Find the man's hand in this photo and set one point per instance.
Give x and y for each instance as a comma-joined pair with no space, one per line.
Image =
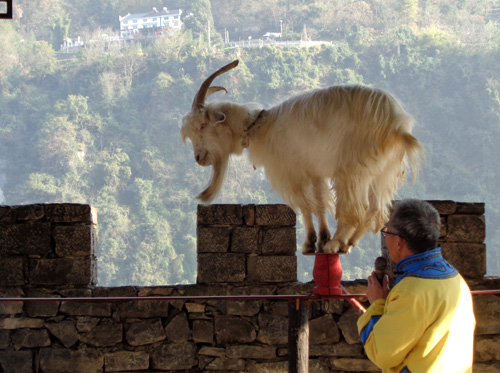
375,290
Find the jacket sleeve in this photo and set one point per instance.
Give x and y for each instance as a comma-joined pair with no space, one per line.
389,330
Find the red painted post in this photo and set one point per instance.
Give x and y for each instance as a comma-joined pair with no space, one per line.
327,273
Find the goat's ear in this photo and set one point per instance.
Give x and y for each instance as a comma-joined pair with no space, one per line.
217,117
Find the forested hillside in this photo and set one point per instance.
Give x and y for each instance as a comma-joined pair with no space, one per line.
101,126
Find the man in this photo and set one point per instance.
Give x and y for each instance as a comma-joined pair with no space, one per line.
426,322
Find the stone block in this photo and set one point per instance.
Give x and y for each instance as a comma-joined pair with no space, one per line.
195,307
466,228
96,309
144,332
212,351
237,307
178,330
65,360
121,291
274,367
213,239
353,365
224,364
470,208
245,240
341,349
174,357
491,367
274,215
231,329
60,271
143,309
4,339
273,329
30,212
348,326
487,312
64,331
487,348
120,361
323,330
220,215
25,239
249,215
71,213
85,324
445,207
30,338
16,361
251,352
223,267
75,241
41,309
103,335
12,270
468,258
11,308
13,323
203,331
272,268
8,214
279,241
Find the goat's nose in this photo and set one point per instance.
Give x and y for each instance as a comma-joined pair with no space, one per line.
197,157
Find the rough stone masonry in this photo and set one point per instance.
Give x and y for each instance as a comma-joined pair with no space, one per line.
50,251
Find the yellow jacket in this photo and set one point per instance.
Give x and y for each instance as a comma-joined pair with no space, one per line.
426,324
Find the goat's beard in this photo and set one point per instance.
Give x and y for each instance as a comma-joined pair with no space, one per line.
219,167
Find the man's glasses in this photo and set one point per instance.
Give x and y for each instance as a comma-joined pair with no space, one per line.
385,233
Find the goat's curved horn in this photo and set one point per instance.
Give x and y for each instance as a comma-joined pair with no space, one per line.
214,89
200,97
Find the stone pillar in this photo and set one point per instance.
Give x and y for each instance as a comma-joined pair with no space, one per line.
246,244
463,231
48,245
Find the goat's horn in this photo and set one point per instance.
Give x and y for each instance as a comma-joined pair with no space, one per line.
214,89
200,97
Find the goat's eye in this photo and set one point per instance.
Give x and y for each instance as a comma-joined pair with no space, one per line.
203,125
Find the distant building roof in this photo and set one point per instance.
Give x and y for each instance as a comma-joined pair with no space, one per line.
155,18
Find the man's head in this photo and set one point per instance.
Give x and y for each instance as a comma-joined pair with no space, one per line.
417,222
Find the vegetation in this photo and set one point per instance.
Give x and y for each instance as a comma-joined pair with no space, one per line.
102,126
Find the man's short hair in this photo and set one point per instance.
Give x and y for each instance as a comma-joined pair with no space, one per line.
418,223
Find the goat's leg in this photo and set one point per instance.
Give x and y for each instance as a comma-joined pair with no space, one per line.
324,231
322,194
350,209
309,245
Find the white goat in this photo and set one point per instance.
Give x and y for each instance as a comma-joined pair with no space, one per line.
349,139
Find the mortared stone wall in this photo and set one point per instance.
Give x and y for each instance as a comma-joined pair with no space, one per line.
50,251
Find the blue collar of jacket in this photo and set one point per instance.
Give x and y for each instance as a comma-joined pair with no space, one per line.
429,264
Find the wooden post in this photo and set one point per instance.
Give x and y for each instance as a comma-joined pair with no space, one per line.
298,336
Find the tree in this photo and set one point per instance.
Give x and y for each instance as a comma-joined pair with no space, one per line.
60,30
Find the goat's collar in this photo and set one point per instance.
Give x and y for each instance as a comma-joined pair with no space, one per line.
246,134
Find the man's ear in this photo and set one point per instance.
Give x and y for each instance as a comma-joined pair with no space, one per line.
217,117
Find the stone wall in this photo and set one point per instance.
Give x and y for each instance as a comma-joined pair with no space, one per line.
49,251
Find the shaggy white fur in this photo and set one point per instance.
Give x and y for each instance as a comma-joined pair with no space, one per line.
342,148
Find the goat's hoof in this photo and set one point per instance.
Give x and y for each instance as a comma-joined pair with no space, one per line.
344,248
308,248
332,247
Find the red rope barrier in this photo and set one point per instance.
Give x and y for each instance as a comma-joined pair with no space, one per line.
347,296
172,298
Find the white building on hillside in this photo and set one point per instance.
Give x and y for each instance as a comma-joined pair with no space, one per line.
135,23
